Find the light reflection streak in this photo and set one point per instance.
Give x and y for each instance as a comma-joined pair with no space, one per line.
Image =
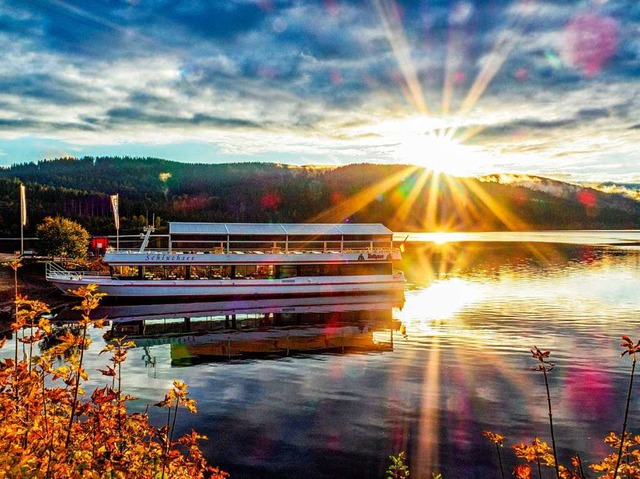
427,451
442,300
449,258
126,32
459,407
84,14
446,307
594,237
435,317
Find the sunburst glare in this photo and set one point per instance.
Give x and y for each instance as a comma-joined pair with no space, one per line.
436,140
441,148
438,153
443,299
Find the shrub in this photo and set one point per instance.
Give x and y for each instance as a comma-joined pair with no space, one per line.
51,429
62,237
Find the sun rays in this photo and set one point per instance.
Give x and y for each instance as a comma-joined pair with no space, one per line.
344,209
435,192
392,23
436,152
445,141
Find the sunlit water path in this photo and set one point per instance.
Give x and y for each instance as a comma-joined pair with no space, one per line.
454,361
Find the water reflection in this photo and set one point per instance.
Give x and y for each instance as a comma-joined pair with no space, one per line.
215,331
426,262
472,314
584,237
460,363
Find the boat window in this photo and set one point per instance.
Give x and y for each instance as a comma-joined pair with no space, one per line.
309,270
330,270
286,271
359,269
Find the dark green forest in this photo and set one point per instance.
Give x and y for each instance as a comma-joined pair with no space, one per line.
405,198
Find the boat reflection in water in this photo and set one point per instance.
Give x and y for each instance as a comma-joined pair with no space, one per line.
220,331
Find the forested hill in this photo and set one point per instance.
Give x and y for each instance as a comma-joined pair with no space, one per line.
405,198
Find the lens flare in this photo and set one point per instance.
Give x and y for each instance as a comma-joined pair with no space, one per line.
455,74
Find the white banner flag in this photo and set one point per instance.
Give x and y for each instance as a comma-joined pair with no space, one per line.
116,215
23,205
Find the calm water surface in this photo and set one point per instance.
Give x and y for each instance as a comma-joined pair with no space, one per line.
426,376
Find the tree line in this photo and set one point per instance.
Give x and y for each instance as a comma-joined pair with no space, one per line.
402,197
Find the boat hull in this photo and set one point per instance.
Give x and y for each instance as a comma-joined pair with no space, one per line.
188,289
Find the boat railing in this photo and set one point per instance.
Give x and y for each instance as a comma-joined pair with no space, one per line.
111,249
56,271
148,243
282,247
257,250
260,245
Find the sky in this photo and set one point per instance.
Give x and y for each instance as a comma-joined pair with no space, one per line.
460,86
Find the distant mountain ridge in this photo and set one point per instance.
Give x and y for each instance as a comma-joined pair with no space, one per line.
405,198
615,196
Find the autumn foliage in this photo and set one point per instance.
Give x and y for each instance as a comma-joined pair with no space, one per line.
625,462
52,428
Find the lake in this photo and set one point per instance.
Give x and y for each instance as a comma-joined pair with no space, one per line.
331,388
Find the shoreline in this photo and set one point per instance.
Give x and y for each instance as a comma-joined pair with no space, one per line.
31,283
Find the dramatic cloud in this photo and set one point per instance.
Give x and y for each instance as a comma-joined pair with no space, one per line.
528,85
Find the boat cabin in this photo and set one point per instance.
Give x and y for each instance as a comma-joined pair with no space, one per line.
278,238
261,251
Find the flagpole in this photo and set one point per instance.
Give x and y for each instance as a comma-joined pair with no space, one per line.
23,216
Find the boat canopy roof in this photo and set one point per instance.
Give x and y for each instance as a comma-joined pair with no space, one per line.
281,229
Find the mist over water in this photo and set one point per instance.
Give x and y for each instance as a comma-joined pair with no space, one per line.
427,376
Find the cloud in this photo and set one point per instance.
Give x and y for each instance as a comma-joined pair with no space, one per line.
128,116
317,79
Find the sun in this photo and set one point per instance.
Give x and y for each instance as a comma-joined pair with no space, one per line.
439,153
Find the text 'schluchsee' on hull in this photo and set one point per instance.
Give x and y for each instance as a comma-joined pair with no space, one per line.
249,260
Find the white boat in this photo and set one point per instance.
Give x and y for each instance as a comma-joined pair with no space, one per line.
226,260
